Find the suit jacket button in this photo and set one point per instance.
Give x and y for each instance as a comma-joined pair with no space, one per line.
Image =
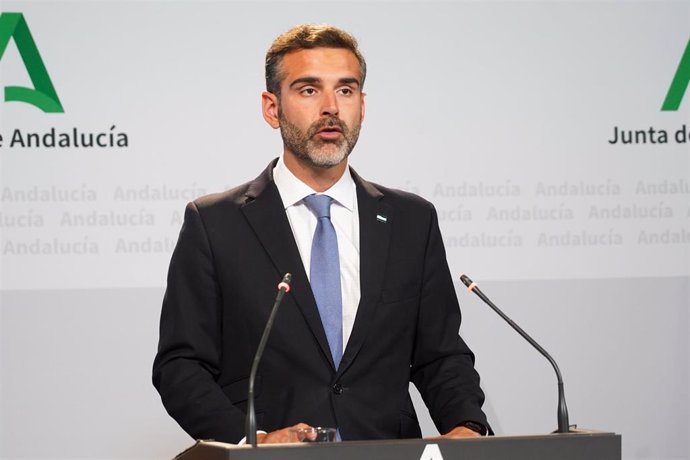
338,389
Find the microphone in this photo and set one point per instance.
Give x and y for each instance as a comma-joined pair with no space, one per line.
250,425
562,413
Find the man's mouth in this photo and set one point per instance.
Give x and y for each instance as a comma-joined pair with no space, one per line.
330,132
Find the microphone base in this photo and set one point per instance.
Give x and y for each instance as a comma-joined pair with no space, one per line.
573,429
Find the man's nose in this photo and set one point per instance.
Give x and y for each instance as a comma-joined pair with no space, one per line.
329,104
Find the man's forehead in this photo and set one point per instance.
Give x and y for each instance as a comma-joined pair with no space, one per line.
321,60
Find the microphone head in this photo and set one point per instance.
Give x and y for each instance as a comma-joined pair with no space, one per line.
285,283
465,280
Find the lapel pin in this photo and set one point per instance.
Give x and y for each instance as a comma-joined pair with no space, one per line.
381,218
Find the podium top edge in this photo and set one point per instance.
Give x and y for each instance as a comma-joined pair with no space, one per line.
578,433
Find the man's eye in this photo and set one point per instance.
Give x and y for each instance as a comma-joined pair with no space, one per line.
346,91
308,91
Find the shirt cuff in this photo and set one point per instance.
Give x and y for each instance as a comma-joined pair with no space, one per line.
243,441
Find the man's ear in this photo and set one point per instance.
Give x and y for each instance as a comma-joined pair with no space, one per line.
362,109
269,106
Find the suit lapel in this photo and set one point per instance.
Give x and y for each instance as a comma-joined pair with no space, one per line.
265,213
375,222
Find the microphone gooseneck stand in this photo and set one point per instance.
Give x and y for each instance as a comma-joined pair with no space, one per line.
562,411
250,426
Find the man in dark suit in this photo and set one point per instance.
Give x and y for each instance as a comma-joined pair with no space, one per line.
396,318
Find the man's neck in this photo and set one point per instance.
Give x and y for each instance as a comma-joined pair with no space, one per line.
319,179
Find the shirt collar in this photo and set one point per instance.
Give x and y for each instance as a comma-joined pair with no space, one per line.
292,190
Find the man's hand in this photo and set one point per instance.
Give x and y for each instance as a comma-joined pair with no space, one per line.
458,432
279,436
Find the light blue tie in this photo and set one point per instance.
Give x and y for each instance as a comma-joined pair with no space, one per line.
325,274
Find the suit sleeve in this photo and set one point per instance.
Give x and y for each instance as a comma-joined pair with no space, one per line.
443,365
187,364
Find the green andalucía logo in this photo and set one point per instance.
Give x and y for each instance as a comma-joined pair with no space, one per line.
43,94
679,84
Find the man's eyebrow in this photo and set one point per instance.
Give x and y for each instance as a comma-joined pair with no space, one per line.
349,81
308,80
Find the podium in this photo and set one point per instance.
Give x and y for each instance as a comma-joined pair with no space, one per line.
583,445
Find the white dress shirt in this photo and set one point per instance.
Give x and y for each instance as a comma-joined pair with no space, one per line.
345,219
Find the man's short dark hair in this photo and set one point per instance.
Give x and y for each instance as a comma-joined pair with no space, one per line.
308,36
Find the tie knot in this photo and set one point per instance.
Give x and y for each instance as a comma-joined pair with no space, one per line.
320,205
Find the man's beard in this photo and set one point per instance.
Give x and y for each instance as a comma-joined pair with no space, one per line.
322,153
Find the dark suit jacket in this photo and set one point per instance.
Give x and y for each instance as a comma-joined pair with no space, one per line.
232,251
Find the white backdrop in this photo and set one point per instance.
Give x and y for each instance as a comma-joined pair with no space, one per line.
500,113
